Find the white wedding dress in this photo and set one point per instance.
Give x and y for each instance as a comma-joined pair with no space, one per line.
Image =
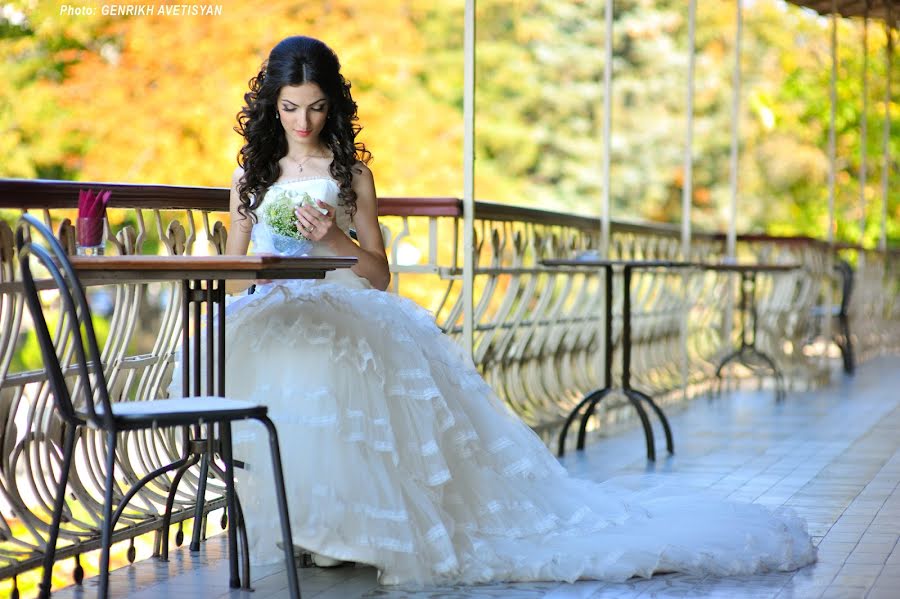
397,454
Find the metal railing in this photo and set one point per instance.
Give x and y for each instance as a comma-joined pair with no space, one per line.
537,335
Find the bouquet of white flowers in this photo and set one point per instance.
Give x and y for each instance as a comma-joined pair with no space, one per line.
278,211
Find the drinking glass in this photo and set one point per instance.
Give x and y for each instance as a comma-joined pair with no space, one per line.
89,236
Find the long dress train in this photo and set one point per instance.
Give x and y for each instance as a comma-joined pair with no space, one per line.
397,454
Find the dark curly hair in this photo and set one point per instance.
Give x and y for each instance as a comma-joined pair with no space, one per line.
294,61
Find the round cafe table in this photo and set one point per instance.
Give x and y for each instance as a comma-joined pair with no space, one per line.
635,397
748,350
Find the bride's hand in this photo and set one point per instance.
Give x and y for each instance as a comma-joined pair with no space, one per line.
315,224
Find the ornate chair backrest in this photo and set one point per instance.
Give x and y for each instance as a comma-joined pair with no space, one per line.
75,345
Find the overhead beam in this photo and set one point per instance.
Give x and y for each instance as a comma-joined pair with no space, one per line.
877,9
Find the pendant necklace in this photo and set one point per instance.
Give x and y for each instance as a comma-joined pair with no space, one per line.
301,162
304,160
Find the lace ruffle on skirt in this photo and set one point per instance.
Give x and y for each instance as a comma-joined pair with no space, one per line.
397,454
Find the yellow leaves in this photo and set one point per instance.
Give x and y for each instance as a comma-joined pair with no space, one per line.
761,105
156,97
417,145
788,162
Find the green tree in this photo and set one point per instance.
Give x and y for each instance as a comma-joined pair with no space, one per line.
153,99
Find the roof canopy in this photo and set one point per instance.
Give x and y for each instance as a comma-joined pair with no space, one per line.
853,8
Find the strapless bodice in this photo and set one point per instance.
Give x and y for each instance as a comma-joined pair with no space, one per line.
266,241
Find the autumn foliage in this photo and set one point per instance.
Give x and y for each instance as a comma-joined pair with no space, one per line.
154,99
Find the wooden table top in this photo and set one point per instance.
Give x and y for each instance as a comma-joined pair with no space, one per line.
158,268
597,262
749,267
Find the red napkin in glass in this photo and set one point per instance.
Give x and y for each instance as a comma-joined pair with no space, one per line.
91,212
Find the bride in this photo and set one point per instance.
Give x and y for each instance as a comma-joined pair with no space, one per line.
398,454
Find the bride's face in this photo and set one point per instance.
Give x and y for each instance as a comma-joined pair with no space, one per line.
302,110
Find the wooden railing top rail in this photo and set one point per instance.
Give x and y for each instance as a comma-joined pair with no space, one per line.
765,237
508,212
37,194
53,194
432,206
797,240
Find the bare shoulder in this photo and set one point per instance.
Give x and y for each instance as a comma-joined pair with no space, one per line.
236,175
362,174
234,195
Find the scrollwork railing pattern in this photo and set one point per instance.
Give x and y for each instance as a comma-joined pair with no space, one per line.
538,331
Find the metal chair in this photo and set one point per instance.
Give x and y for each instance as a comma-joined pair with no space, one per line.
843,276
87,404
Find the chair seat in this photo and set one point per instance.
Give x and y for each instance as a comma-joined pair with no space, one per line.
182,409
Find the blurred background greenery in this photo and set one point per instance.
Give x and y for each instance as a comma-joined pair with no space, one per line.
153,99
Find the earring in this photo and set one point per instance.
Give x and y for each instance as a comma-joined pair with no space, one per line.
277,117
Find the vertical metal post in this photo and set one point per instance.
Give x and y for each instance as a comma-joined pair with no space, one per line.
731,239
211,353
832,170
197,298
687,192
469,179
832,144
220,307
607,130
687,189
185,339
607,148
864,131
731,234
886,169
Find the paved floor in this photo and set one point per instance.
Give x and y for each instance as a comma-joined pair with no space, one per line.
832,455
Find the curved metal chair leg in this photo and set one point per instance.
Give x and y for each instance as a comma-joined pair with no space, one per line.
141,483
596,397
561,448
738,355
847,347
244,542
284,516
170,502
225,436
106,531
198,507
670,446
236,519
780,393
732,356
645,422
50,552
